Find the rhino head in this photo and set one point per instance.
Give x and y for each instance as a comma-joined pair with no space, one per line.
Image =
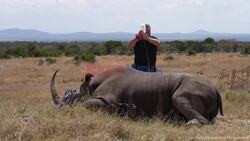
71,96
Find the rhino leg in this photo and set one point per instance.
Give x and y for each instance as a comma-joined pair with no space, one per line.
95,103
184,106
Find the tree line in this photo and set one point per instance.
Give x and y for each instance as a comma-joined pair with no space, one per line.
88,50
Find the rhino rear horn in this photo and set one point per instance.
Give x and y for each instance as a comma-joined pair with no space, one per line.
54,94
85,83
88,76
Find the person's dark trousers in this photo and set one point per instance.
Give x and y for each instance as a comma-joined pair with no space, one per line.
144,68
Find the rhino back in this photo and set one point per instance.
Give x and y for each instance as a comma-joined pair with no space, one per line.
150,93
103,76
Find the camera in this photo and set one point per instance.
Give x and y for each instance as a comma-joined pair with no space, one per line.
143,28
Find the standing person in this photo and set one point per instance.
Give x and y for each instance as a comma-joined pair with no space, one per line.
145,50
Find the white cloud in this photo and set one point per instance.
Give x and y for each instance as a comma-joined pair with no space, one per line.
121,15
16,6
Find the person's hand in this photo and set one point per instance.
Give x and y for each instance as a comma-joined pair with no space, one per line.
144,36
138,36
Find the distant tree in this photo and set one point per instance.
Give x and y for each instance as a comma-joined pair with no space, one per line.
31,49
82,49
72,50
111,46
179,45
18,51
3,53
246,51
61,47
84,57
235,47
124,50
209,41
192,47
191,50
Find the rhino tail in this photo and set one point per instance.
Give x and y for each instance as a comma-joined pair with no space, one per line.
219,101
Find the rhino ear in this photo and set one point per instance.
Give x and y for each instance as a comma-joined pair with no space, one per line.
88,77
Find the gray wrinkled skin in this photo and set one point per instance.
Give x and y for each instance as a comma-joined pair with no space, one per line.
70,97
192,97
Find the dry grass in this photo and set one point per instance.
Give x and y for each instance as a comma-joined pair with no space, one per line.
27,112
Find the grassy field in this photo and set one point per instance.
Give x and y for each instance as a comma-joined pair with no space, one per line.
27,111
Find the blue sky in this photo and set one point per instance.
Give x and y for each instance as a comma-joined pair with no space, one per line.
64,16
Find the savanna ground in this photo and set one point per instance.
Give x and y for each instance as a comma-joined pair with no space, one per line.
27,111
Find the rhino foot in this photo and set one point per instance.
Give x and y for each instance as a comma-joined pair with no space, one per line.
193,122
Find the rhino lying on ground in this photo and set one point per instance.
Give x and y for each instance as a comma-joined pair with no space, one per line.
191,96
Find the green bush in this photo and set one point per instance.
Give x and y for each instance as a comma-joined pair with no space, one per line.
72,50
85,57
113,46
18,52
97,50
90,49
209,41
50,61
5,56
168,58
47,52
88,58
245,51
191,51
181,47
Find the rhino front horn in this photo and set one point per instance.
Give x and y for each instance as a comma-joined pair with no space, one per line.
54,94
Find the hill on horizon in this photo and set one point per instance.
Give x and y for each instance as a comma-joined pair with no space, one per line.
16,34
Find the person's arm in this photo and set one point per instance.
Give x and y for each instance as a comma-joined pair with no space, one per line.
132,43
154,41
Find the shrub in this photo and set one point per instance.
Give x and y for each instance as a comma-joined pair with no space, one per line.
97,50
191,51
206,48
72,50
245,51
47,61
18,52
209,41
3,54
168,58
54,49
47,52
112,46
50,61
85,57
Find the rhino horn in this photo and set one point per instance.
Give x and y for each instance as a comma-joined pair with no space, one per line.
55,97
86,81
